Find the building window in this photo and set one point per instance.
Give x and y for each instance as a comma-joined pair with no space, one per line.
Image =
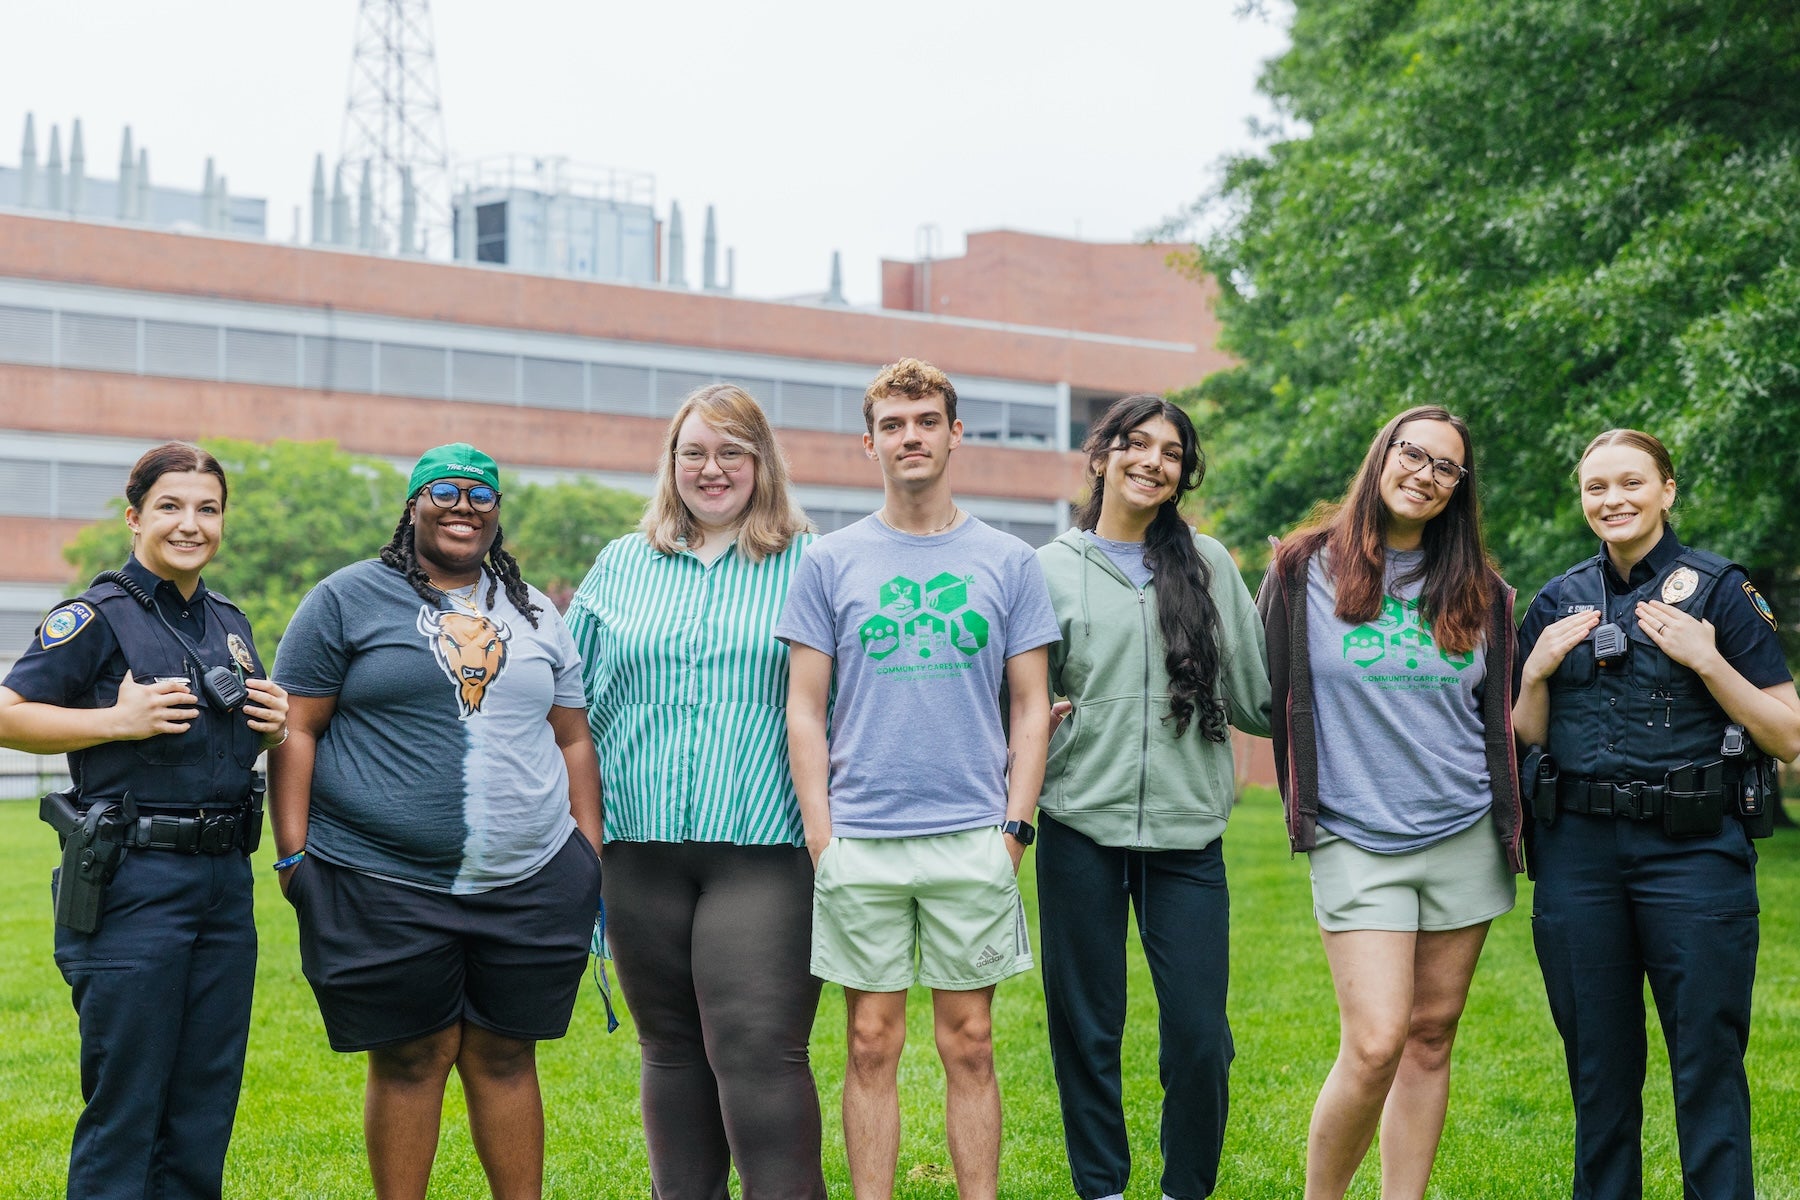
490,232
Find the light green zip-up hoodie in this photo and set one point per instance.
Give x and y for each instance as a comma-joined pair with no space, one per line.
1117,773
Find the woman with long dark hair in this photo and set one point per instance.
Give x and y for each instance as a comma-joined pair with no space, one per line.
152,686
438,815
1161,651
1390,649
1654,677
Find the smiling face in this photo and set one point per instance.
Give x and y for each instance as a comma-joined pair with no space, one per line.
1142,473
714,496
451,542
178,527
1625,499
1413,497
912,439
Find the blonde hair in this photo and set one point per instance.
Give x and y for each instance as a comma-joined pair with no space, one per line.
772,519
913,379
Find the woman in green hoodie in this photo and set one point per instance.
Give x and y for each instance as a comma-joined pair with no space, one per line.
1161,650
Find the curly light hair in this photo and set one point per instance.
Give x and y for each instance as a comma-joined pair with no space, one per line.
910,378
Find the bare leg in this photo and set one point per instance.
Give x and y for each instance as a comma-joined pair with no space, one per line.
1372,971
506,1111
877,1034
1413,1119
402,1108
965,1042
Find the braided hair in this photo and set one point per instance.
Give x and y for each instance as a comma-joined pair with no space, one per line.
502,570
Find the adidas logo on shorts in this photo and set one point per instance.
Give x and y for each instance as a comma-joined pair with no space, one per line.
988,957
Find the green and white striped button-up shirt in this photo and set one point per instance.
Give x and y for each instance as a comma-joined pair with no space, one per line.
687,693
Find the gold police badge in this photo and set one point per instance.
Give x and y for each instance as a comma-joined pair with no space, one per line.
241,652
1680,585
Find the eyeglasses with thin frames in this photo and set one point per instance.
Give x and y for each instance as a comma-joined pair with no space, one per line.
1415,458
730,458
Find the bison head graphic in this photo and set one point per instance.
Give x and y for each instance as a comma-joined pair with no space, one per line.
471,649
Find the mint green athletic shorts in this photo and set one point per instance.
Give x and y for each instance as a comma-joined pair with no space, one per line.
1461,881
943,911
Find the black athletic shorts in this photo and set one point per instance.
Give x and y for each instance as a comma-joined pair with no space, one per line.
391,963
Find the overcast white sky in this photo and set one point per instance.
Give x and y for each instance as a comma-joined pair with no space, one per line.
813,125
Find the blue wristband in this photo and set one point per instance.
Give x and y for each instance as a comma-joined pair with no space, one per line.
282,864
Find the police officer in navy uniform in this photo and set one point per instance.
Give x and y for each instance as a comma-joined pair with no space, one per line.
1653,677
162,984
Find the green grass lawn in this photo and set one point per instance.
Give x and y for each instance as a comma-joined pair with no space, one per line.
299,1128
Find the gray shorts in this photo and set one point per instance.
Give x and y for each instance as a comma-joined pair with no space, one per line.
1461,881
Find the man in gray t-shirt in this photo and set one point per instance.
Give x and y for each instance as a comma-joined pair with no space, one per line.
915,798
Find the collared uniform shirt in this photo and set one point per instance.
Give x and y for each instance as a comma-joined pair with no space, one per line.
687,693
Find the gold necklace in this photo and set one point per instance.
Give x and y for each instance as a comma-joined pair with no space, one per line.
464,597
881,515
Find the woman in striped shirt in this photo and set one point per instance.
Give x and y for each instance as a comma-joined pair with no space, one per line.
708,886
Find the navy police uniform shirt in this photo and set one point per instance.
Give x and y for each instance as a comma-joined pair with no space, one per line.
76,661
1743,623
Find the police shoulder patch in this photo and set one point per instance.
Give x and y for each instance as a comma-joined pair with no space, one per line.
64,623
1761,604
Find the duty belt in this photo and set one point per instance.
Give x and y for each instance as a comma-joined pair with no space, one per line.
1634,801
205,831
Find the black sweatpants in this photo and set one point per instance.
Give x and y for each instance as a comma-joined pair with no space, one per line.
1184,919
712,942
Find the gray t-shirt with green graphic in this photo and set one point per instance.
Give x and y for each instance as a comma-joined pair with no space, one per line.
920,628
1401,759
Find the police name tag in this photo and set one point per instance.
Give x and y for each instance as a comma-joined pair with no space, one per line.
64,623
1680,585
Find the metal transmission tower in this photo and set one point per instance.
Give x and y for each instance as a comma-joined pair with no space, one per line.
394,131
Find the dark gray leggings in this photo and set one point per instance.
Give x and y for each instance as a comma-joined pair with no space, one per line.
712,942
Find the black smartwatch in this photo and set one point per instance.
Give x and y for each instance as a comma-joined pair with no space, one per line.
1023,831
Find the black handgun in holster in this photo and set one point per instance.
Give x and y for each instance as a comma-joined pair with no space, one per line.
250,834
1538,773
93,846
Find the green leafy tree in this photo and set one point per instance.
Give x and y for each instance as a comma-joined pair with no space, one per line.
1551,216
296,511
556,529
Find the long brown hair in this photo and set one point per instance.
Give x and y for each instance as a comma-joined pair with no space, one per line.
772,519
1352,532
1185,613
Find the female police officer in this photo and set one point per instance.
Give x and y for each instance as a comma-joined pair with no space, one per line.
149,682
1653,675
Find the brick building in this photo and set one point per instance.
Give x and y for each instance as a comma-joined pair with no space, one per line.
113,337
